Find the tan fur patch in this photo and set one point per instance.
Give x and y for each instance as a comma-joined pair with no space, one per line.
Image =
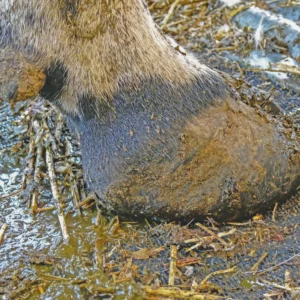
31,81
18,78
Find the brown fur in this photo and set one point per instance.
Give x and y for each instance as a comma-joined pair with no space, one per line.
102,43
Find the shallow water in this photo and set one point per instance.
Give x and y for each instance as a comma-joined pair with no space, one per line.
34,243
25,232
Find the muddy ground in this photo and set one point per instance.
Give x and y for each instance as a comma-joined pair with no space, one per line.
98,256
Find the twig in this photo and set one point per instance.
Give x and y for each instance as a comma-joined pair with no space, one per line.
239,224
58,126
238,10
173,264
287,279
201,14
179,294
274,212
49,137
278,68
229,48
56,196
104,290
68,148
113,225
99,221
278,286
2,232
256,265
36,178
230,232
169,14
89,198
212,233
54,278
39,132
11,194
43,209
30,165
233,269
75,195
100,256
276,266
195,246
63,226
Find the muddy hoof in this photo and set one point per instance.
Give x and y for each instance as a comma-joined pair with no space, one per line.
228,162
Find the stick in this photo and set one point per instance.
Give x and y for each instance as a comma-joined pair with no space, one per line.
54,278
30,165
239,224
276,266
58,126
36,179
280,68
278,286
212,233
169,14
256,265
104,290
75,195
179,294
63,227
2,232
232,231
59,204
274,212
11,194
99,221
217,273
68,148
45,209
194,246
287,279
173,264
49,137
88,199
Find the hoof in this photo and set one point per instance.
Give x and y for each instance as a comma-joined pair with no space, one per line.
228,162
